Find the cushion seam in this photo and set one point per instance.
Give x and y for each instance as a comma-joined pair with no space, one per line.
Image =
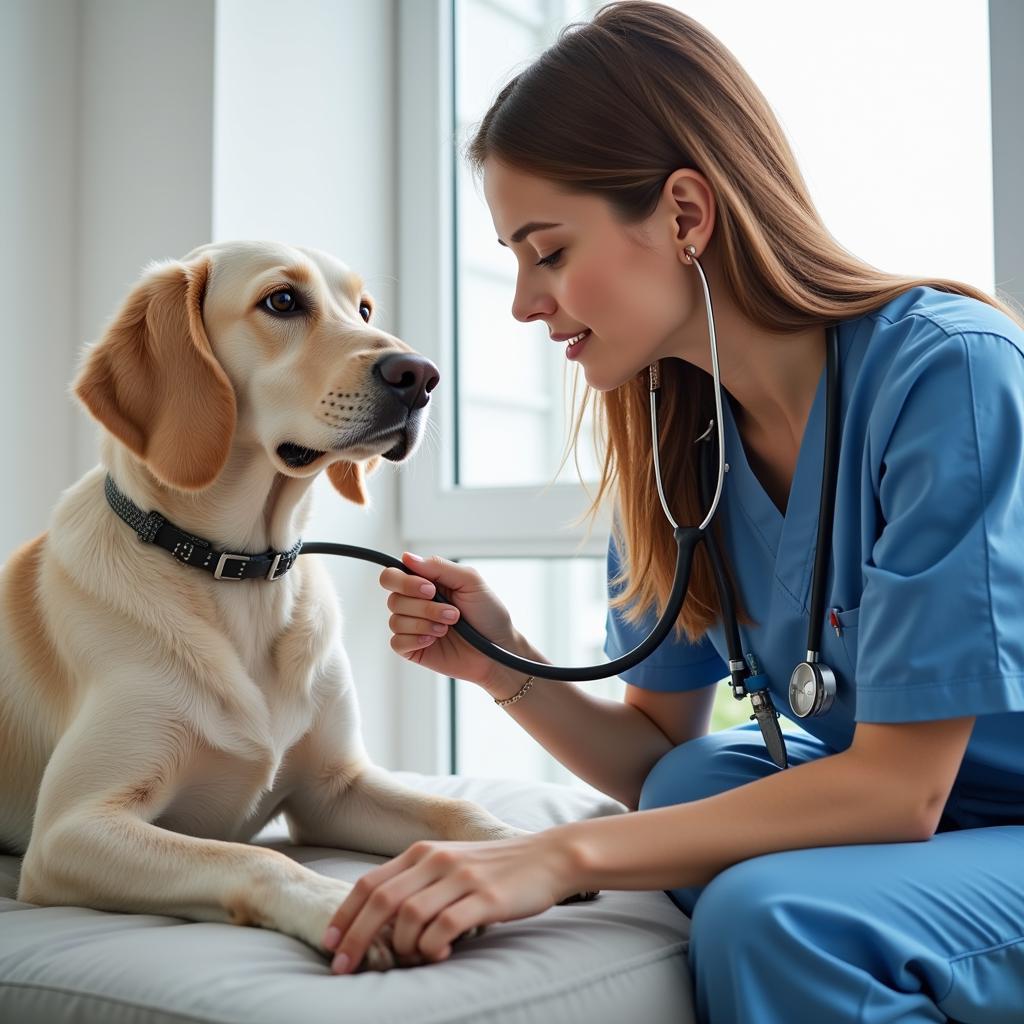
644,960
114,1001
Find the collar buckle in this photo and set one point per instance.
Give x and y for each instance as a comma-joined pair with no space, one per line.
218,573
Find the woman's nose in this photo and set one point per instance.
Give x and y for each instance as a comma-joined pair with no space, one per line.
529,304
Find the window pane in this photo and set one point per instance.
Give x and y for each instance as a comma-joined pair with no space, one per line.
559,605
873,148
875,98
513,415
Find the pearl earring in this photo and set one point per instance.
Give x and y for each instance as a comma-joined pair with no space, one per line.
691,251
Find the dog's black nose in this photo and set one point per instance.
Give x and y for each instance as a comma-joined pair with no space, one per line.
410,376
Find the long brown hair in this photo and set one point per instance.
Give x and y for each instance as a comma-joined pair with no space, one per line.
612,109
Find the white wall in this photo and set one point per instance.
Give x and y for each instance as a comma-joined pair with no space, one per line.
144,128
304,152
38,64
106,164
138,129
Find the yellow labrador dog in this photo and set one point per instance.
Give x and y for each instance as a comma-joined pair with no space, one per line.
169,679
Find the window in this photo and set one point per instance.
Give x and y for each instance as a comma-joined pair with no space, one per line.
875,151
512,413
559,605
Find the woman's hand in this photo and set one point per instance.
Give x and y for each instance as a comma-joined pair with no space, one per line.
420,626
435,891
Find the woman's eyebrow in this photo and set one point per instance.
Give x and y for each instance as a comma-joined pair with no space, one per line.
527,229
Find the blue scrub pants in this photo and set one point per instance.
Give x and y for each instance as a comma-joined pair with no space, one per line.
872,934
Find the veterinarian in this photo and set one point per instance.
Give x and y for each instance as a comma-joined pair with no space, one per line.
878,877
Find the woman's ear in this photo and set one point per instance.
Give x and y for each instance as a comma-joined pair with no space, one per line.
349,478
153,381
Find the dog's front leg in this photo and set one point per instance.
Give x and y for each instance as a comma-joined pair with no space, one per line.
339,798
365,808
118,862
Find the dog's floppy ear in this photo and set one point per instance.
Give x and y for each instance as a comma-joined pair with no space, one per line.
152,380
349,478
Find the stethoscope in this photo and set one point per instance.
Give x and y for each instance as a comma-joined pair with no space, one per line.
812,685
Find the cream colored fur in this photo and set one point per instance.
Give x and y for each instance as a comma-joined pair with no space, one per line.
153,719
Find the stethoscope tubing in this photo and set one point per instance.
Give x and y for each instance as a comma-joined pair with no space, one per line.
686,538
826,507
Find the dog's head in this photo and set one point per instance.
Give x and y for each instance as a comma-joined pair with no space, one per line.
259,343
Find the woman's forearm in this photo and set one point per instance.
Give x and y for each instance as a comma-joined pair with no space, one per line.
832,801
607,743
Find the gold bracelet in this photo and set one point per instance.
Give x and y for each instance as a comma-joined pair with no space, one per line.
519,696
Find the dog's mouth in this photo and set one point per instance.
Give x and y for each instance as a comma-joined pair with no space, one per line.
296,456
400,449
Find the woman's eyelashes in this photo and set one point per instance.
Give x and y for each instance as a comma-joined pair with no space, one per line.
552,260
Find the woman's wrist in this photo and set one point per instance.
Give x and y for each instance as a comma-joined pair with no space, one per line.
504,682
568,851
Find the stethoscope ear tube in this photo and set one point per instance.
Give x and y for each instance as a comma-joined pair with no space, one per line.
686,538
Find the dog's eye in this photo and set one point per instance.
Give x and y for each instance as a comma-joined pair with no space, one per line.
283,301
365,311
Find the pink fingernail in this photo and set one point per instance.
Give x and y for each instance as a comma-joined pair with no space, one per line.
332,937
340,963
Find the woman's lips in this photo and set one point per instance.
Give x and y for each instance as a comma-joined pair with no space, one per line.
574,349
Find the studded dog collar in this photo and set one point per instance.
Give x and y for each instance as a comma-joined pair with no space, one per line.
153,528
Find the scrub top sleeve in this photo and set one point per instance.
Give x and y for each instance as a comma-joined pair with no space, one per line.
941,616
674,665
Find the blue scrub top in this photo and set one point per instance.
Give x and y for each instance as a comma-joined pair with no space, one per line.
927,568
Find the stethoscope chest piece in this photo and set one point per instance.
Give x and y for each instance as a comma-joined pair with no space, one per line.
812,689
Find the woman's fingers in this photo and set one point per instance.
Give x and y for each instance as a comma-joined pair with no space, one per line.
413,595
450,575
429,905
399,582
416,620
421,911
435,941
408,625
428,611
375,899
407,645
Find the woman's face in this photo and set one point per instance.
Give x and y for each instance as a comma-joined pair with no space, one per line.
588,271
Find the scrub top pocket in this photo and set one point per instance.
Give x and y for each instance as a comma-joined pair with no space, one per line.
848,622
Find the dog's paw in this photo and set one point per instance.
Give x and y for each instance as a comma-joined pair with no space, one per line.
381,955
580,897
